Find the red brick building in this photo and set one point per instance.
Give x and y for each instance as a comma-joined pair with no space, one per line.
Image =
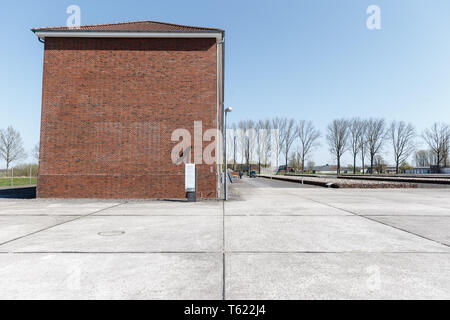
113,95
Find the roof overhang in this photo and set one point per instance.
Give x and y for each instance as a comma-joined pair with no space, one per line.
42,34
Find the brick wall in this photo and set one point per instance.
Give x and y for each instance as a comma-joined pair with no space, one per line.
108,111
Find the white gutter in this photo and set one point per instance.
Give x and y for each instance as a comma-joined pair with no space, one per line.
100,34
219,135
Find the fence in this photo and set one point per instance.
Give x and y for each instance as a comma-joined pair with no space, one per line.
18,176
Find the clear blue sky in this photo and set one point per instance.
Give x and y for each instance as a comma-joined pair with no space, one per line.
310,59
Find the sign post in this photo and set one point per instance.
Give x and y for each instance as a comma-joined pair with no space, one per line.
190,182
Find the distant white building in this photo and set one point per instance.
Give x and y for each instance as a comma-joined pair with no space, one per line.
330,169
445,170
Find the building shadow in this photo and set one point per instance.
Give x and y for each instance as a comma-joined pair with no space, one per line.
18,193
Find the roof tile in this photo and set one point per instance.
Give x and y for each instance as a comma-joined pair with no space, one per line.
136,26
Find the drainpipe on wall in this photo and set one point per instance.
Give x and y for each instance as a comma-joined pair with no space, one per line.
220,108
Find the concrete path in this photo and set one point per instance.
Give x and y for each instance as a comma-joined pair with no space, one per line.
272,240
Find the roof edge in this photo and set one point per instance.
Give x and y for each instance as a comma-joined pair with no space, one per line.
35,30
83,27
218,35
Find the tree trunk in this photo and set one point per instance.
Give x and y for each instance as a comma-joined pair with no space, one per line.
338,171
286,171
354,164
371,164
248,159
362,162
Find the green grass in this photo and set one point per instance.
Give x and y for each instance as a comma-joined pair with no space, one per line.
6,182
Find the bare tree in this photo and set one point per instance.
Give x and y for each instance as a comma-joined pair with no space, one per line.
259,142
267,150
308,136
375,137
242,140
363,144
337,138
421,158
11,146
438,138
263,141
379,164
311,165
446,155
295,161
247,140
356,131
251,143
431,157
288,135
402,138
277,128
231,133
35,151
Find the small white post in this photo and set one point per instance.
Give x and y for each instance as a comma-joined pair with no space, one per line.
190,182
12,177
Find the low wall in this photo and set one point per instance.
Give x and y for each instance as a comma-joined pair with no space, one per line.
342,183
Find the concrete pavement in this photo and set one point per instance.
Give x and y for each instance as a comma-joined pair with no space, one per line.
272,240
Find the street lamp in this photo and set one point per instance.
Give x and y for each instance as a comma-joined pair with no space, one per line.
227,110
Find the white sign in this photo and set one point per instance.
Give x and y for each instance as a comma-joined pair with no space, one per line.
189,177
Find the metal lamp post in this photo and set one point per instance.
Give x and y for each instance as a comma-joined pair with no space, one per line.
227,110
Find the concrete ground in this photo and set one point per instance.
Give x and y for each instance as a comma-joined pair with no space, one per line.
272,240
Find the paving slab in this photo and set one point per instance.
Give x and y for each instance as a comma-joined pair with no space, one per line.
19,226
281,242
396,202
320,234
167,208
337,276
400,209
271,205
111,276
53,207
437,228
126,234
274,201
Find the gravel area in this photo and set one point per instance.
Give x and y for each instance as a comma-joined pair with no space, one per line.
345,183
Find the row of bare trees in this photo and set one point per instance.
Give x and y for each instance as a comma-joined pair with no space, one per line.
363,138
267,139
369,137
438,140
